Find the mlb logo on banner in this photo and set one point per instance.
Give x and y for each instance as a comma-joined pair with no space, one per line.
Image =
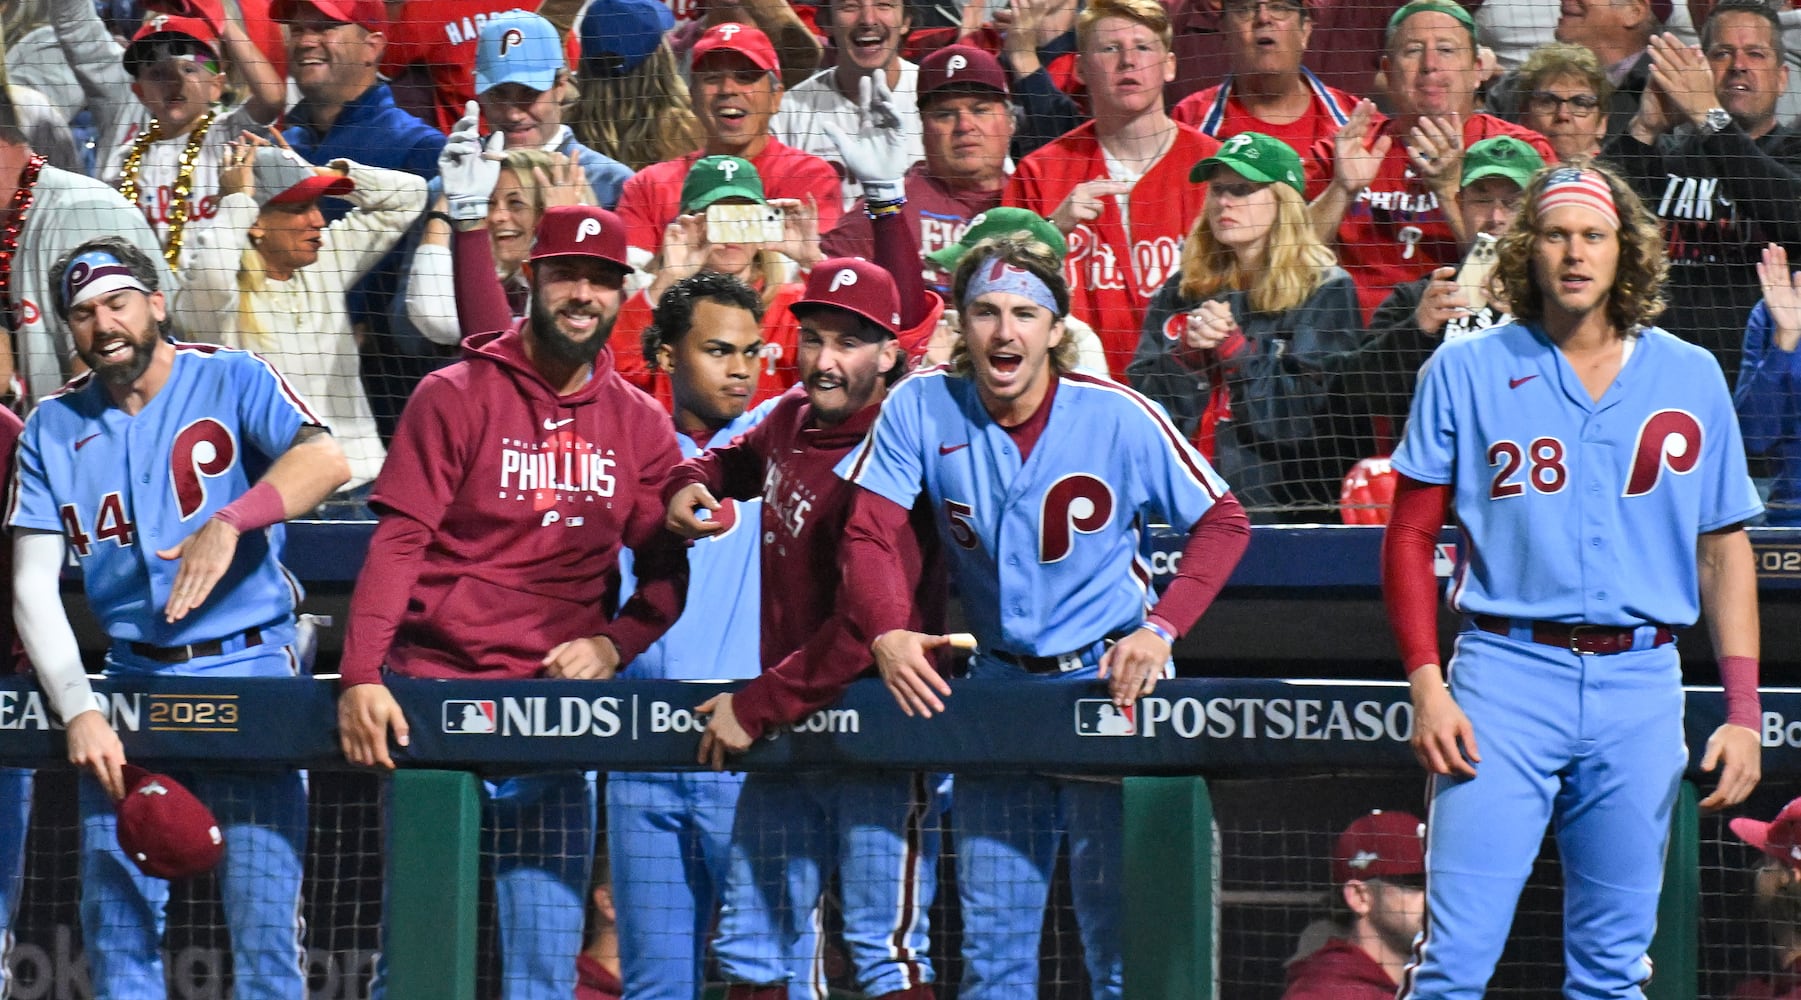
469,717
1100,717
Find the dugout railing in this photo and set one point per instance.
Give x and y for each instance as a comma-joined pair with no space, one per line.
1190,733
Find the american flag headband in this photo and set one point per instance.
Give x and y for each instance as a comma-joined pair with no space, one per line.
1582,188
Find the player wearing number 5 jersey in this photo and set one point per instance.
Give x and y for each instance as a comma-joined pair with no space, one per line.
167,470
1041,481
1597,472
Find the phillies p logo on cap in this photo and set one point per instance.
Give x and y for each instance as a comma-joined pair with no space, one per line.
843,279
589,227
164,829
954,64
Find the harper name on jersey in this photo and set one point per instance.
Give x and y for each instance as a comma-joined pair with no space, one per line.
120,487
1600,535
1048,551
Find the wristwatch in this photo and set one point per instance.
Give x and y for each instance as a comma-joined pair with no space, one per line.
1715,120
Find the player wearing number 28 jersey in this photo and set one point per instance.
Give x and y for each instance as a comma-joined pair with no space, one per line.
1597,473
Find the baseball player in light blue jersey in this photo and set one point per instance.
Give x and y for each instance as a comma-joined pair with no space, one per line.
1597,473
167,470
1042,481
669,833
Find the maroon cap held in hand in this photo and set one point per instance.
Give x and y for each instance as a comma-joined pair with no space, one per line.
854,285
1380,845
165,829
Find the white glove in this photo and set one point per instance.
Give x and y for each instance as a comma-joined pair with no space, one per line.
469,172
877,155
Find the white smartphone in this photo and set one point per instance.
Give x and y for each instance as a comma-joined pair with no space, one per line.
744,224
1474,272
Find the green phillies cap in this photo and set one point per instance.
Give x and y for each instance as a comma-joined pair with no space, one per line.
1257,156
1501,156
1000,222
715,178
1446,7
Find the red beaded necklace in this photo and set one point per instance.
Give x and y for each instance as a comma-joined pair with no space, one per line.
9,237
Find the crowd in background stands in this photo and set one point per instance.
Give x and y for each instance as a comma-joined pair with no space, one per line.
283,154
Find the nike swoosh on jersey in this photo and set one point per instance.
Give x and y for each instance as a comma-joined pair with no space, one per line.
549,425
1515,383
946,449
85,440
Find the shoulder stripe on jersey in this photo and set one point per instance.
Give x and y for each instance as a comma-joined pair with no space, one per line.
1321,93
75,384
867,445
1177,445
287,391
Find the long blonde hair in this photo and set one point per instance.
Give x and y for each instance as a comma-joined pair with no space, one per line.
641,118
1294,267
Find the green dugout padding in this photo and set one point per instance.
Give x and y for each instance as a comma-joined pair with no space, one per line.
1168,935
1676,950
435,864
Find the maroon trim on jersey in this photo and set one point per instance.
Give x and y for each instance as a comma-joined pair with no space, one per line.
1177,445
1215,544
1026,435
1409,586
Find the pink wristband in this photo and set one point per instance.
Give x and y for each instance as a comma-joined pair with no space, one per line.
258,508
1738,675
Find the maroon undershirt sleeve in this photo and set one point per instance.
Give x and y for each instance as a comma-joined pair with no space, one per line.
874,556
1215,544
1409,586
897,252
734,470
390,568
660,565
816,674
481,302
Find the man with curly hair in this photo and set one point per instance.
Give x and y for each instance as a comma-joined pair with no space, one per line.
1599,479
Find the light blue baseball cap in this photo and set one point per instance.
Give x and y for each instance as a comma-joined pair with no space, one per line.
517,46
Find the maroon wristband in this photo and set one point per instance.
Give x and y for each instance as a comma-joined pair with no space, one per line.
258,508
1738,675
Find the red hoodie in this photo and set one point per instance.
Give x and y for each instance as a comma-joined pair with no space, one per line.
1339,970
503,509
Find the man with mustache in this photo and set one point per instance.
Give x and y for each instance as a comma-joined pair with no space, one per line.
513,481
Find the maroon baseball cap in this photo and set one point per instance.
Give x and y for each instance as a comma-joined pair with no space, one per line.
164,30
963,67
1380,845
165,829
580,231
1780,838
734,37
371,14
853,285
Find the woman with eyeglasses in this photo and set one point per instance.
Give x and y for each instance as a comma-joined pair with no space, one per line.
1236,344
1563,96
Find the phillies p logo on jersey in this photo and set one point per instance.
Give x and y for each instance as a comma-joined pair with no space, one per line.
1667,438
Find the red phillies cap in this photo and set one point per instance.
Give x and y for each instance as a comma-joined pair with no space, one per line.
853,285
164,29
371,14
735,37
165,829
580,231
1780,838
961,66
1380,845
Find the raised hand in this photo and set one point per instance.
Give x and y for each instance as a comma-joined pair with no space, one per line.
470,170
1781,295
1355,159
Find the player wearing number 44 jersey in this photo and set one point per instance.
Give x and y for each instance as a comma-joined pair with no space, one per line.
1041,482
1598,475
147,468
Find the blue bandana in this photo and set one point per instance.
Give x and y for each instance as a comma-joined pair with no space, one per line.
96,273
996,275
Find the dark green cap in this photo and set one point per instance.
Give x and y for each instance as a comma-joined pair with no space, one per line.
715,178
1258,157
1447,7
1001,222
1501,156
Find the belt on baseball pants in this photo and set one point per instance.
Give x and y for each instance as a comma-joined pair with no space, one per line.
195,650
1064,663
1592,640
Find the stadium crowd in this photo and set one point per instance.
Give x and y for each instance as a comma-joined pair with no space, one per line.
429,218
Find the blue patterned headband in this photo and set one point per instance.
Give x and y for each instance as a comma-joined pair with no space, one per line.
996,275
96,273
